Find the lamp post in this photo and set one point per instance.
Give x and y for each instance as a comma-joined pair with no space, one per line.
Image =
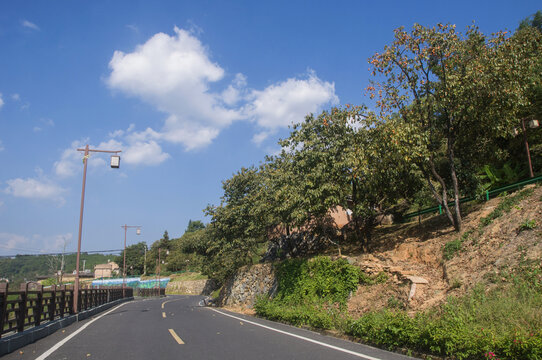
532,124
115,163
138,232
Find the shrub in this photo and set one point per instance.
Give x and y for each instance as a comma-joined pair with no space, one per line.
527,225
310,292
451,248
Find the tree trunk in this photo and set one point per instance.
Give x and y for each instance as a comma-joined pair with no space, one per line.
451,157
441,199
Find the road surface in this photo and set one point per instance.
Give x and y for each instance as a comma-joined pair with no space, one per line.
177,327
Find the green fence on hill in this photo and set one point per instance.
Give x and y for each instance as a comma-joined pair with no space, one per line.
486,195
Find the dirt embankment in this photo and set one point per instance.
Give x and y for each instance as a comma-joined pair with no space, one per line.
420,277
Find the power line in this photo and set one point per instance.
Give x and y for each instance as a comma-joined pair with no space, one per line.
66,253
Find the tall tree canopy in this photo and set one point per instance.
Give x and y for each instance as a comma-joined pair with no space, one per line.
454,93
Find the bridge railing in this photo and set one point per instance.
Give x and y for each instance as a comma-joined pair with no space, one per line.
33,305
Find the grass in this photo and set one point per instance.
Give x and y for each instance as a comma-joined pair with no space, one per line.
527,225
453,247
187,276
505,321
504,207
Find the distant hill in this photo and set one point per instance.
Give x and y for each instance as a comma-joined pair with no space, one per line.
29,267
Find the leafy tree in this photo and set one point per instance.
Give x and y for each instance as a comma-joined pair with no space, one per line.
454,94
162,246
135,258
194,226
534,21
236,231
340,158
188,251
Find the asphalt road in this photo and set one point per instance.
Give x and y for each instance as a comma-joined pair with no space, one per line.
176,327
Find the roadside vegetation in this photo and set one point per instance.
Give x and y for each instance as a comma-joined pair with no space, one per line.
447,107
503,323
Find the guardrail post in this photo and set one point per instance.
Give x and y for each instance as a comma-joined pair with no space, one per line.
22,308
71,310
39,305
52,304
62,300
3,306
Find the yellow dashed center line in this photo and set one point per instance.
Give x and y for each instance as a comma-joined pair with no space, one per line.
176,337
163,314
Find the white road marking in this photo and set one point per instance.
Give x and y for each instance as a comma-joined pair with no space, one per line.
65,340
300,337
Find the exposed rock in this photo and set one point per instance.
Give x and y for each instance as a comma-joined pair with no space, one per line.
247,284
191,287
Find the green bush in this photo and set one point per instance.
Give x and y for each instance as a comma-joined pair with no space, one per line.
316,281
504,323
451,248
527,225
311,292
380,278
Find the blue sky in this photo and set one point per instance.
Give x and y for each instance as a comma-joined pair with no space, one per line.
190,91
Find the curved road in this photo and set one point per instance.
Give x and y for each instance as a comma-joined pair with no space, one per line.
176,327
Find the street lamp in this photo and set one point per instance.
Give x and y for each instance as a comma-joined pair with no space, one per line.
114,164
138,232
533,123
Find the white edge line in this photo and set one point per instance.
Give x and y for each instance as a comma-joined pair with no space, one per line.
65,340
299,337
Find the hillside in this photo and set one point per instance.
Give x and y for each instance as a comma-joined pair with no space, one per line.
29,267
451,263
422,288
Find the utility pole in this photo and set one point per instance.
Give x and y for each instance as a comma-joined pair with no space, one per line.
115,161
145,261
138,232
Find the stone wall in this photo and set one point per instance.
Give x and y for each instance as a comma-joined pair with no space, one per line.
191,287
248,283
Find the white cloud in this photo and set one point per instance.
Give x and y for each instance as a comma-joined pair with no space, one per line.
30,25
1,146
133,28
137,148
70,161
37,243
175,74
16,97
288,102
35,189
51,243
144,153
1,101
46,122
12,241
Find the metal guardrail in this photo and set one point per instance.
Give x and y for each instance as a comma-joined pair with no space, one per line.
33,305
487,195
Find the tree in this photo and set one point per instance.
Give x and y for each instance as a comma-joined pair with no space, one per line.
135,258
188,251
236,231
534,21
454,94
340,158
194,226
